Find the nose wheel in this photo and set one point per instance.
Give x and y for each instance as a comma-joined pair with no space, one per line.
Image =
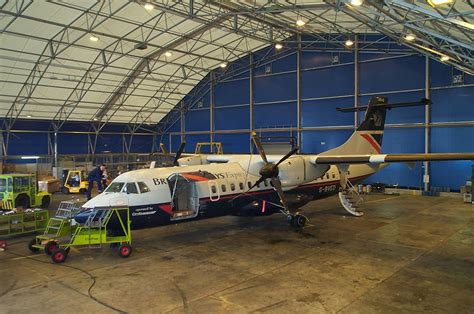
297,221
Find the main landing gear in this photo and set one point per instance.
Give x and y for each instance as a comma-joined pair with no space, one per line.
297,221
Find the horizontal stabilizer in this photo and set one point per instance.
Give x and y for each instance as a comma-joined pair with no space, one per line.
387,158
422,102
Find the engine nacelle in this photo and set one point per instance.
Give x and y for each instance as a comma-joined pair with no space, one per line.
298,170
193,160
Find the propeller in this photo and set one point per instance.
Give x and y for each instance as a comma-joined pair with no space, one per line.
168,162
271,171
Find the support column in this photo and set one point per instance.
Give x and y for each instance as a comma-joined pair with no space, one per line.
56,148
298,92
356,81
183,126
251,83
426,164
211,108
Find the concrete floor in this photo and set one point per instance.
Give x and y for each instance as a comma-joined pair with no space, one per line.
407,254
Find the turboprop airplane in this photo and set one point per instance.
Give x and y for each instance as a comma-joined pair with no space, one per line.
205,186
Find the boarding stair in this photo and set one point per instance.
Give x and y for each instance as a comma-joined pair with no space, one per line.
350,197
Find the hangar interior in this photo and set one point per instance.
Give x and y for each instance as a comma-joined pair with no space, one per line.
90,82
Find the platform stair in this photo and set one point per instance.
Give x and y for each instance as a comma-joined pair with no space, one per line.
350,198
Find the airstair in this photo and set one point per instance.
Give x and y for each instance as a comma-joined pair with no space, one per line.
350,197
59,224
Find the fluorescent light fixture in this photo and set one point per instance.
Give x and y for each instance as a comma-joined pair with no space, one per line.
357,2
444,58
168,54
30,157
300,22
349,43
93,38
410,37
223,65
434,3
148,6
278,46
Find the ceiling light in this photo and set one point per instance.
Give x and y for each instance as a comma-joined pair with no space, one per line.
30,157
95,119
410,37
148,6
444,58
28,116
357,2
168,54
300,22
434,3
278,46
349,43
93,38
223,65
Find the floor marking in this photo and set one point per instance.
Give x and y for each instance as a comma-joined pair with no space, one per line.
383,199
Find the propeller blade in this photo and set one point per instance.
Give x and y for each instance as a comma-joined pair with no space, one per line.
287,156
259,146
277,185
165,152
179,152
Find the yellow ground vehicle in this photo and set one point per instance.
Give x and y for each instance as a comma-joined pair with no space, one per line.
75,182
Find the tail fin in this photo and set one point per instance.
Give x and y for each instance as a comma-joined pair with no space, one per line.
367,139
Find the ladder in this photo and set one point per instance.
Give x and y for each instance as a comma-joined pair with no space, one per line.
349,197
63,216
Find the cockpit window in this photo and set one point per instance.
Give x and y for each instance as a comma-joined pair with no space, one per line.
131,188
115,187
143,187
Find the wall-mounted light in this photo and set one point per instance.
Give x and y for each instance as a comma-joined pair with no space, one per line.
410,37
444,58
300,23
148,6
435,3
357,2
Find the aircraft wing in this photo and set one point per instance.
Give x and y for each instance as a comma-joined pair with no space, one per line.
387,158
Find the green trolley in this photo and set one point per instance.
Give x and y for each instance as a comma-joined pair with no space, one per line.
103,226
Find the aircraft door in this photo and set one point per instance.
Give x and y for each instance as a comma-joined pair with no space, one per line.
184,198
213,191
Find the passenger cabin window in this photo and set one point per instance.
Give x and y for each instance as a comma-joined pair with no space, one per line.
241,186
131,188
265,183
327,175
143,187
213,189
223,188
333,175
232,187
249,184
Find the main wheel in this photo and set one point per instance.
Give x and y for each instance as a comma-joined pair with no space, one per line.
45,201
65,190
124,250
50,247
30,246
298,221
59,255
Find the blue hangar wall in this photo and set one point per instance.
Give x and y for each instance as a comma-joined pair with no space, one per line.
229,109
30,137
